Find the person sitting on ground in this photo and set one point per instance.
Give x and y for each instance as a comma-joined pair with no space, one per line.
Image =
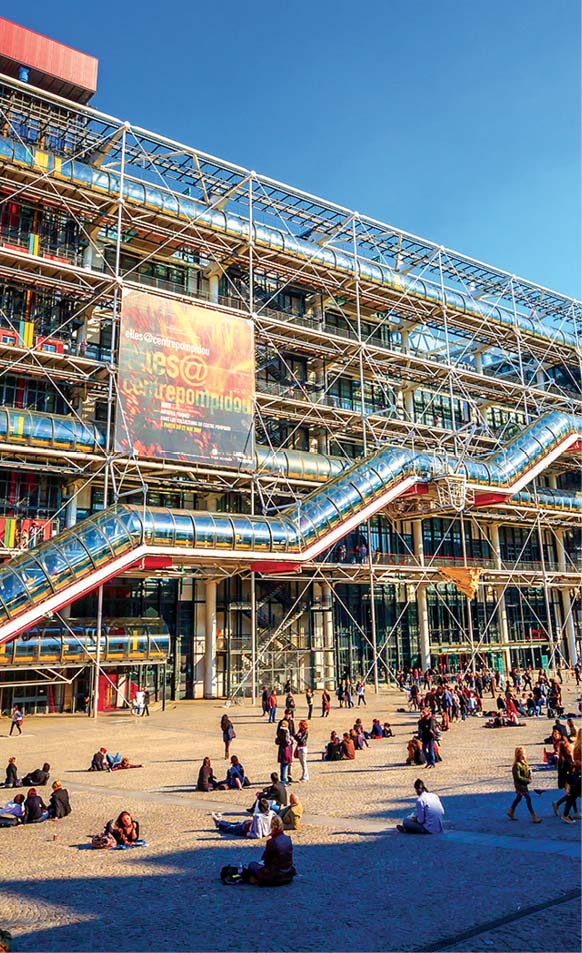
571,729
36,809
376,729
276,867
99,761
415,755
59,804
12,779
275,794
257,826
125,829
429,813
235,777
358,736
124,764
387,730
14,812
332,750
206,779
39,777
348,748
291,815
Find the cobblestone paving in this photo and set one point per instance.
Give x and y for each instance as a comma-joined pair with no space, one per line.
361,885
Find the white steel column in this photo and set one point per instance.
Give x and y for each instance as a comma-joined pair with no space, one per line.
500,597
566,603
328,647
421,601
70,520
210,639
318,643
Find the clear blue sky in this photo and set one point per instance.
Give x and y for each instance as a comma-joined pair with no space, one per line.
458,121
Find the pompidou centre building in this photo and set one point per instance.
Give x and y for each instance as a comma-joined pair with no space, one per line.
248,436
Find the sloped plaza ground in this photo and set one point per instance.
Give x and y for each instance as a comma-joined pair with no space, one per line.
485,884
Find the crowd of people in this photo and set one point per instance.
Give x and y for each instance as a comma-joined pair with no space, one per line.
439,699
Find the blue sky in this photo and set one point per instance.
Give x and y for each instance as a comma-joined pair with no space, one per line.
457,121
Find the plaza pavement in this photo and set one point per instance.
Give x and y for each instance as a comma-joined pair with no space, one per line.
485,884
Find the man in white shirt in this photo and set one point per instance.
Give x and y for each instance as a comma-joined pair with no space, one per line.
259,826
428,818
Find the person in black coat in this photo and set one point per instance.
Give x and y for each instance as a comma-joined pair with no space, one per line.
99,761
277,866
39,776
12,779
59,804
275,794
36,809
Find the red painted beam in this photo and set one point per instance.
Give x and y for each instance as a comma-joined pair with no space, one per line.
486,499
153,562
419,489
268,568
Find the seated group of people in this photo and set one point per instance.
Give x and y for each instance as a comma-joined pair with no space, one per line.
39,777
263,812
32,808
235,780
344,748
103,761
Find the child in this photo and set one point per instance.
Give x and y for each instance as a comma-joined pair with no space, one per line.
521,778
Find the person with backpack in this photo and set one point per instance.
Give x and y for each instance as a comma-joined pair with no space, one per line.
228,734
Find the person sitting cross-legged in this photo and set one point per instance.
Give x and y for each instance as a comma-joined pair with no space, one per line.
428,818
276,795
276,867
257,826
235,776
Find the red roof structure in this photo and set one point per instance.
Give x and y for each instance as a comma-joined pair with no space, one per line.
52,66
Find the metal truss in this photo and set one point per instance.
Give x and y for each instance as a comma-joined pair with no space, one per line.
381,339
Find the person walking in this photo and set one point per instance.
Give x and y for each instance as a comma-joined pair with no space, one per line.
521,779
272,706
17,719
146,704
427,733
565,769
228,734
325,703
264,701
574,780
301,738
309,701
361,693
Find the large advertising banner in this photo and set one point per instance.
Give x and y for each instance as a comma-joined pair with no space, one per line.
186,382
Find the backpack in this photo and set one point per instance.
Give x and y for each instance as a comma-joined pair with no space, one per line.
103,841
232,876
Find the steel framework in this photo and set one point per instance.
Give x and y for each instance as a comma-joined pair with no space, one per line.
436,352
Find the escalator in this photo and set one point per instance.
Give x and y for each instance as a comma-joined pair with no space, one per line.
116,540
